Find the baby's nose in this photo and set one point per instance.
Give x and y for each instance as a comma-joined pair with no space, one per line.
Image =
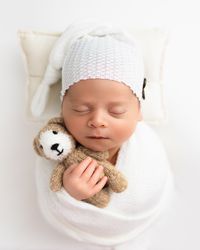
98,120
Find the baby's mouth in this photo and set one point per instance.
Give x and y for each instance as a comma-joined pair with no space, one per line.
98,137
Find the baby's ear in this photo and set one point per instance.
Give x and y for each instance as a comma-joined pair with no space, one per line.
35,146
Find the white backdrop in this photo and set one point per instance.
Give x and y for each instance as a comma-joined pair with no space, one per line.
21,224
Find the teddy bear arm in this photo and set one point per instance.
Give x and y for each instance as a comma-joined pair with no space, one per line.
75,157
56,177
101,156
116,180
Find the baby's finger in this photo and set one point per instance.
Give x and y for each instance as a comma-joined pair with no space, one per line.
96,176
70,168
82,166
89,170
100,184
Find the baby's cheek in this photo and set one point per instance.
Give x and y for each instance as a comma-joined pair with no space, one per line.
123,131
75,127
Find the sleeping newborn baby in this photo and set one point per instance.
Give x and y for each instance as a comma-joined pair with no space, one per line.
102,84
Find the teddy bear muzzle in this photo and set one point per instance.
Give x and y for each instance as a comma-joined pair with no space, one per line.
55,146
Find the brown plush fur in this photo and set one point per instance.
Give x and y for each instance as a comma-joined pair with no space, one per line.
116,181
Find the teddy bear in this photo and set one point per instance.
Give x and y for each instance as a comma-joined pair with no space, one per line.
54,142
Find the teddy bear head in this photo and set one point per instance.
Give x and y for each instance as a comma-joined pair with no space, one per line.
53,141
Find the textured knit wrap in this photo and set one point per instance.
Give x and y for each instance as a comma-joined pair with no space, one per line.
142,159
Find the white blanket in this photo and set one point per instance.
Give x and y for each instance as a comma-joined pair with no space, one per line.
143,161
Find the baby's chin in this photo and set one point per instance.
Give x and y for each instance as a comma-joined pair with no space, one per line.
95,146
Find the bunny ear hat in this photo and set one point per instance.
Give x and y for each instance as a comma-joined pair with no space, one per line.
90,49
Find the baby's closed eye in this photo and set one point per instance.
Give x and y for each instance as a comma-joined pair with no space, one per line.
117,110
112,111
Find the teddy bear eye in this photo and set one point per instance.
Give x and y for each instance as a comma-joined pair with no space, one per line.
41,146
55,132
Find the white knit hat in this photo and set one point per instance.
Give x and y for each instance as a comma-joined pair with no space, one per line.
90,49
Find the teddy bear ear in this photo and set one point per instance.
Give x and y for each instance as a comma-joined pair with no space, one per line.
35,146
57,120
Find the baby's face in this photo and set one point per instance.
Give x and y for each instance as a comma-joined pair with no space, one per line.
100,114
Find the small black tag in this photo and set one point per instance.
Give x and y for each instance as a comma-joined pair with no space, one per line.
144,85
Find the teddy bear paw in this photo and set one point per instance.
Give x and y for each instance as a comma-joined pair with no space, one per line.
100,199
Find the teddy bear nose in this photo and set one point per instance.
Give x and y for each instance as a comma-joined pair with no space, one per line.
54,146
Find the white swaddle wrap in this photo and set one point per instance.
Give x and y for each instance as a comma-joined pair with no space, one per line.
143,161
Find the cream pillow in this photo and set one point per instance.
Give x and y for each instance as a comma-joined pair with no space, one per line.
36,47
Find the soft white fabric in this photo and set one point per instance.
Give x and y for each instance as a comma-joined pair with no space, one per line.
36,47
104,57
90,49
143,161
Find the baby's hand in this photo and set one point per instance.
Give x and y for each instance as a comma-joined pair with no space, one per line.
81,180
